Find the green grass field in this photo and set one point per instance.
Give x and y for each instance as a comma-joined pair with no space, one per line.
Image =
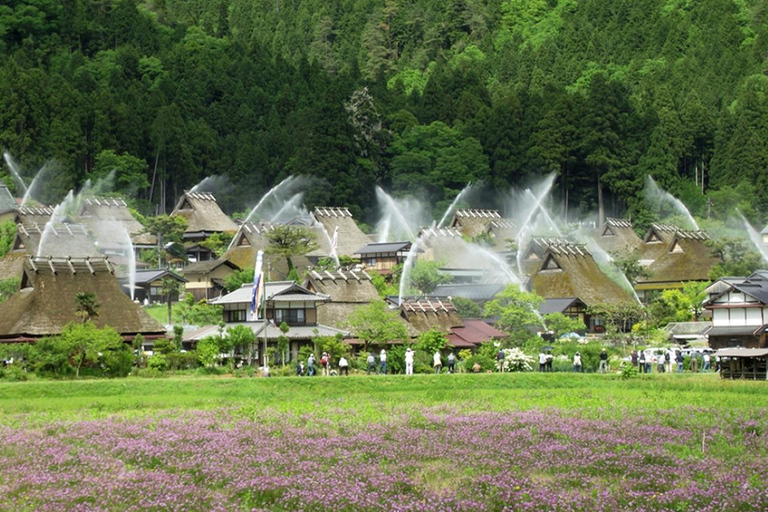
428,442
378,396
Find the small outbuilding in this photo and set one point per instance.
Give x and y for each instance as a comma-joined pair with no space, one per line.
743,363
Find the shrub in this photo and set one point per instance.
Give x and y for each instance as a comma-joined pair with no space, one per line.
515,360
13,373
158,362
486,363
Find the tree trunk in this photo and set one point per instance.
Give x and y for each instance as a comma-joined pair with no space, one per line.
169,309
600,205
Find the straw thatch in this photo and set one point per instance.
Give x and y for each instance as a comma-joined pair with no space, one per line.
339,220
422,315
46,301
12,264
568,270
106,217
686,258
249,240
533,253
65,240
447,246
32,215
501,231
618,236
203,215
347,290
472,222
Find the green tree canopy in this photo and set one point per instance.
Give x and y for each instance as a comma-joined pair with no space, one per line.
376,324
517,313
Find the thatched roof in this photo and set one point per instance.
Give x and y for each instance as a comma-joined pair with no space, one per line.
350,237
65,240
46,301
347,289
107,216
12,264
425,314
7,202
447,245
686,258
571,271
249,240
502,230
33,215
472,222
203,214
533,253
617,235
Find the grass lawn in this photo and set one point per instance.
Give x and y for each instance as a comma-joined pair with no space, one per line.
446,442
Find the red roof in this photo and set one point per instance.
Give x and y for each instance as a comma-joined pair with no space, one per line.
474,332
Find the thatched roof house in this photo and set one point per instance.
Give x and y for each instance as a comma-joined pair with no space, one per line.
447,246
45,302
106,217
533,253
472,222
618,236
569,270
347,290
204,217
676,259
424,314
249,240
338,222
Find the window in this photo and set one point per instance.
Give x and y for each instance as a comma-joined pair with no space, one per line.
370,262
290,316
237,315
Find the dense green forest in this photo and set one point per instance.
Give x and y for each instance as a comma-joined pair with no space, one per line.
414,95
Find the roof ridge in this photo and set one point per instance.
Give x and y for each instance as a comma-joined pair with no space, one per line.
478,213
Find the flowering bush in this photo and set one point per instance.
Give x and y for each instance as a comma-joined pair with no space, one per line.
515,360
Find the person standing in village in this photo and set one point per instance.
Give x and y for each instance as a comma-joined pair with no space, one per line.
670,358
371,364
542,361
408,361
383,362
343,366
603,361
577,362
550,358
707,362
641,361
437,362
451,362
679,358
648,363
311,365
660,361
325,362
500,355
694,362
633,357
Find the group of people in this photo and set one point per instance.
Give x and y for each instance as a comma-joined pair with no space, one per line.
666,361
372,366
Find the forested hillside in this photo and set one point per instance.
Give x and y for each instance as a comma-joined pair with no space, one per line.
409,94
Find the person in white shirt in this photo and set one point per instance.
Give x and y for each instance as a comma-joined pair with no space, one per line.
707,362
343,366
577,362
383,362
437,362
542,361
408,361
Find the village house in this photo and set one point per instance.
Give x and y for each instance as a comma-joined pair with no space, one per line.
568,271
65,238
110,222
206,279
739,309
45,302
476,223
284,301
673,257
383,256
7,201
342,230
251,238
465,263
346,290
28,215
617,236
149,283
204,218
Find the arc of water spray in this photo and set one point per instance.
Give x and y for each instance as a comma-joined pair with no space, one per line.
754,237
394,212
14,170
274,190
456,200
678,204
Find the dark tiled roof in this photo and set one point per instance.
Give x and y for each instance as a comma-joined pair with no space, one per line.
385,247
558,305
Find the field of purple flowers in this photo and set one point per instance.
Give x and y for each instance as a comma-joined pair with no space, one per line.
430,457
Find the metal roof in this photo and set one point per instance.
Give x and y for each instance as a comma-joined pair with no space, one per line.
558,305
385,247
273,291
734,330
742,352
